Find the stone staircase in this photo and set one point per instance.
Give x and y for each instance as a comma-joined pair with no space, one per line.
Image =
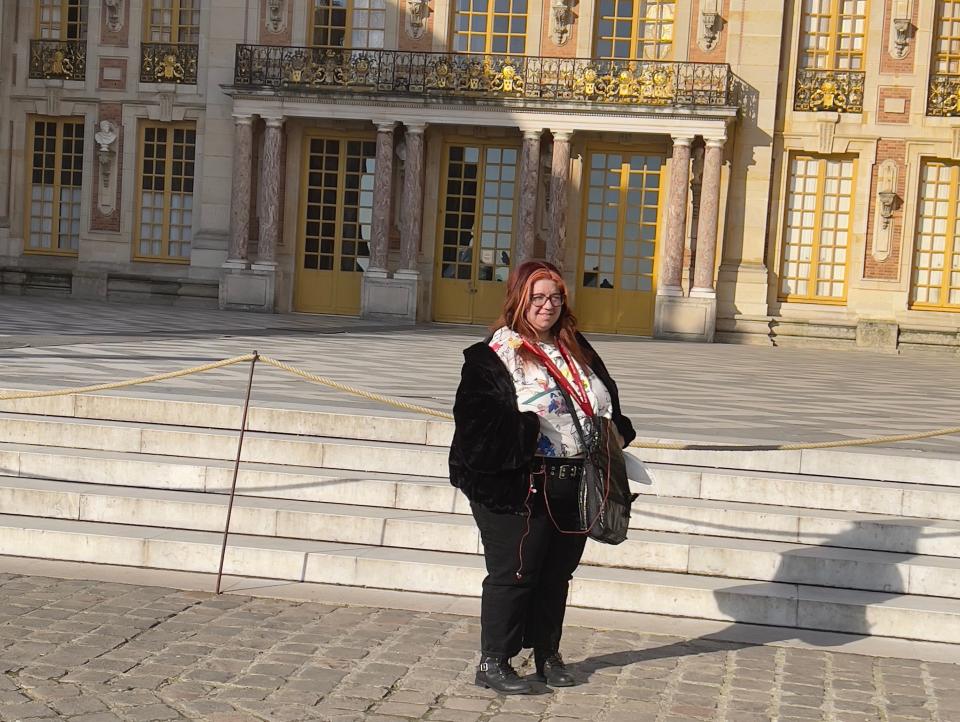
860,542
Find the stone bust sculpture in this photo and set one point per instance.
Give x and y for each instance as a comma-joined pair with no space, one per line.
106,136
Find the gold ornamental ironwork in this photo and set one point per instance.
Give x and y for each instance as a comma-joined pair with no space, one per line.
58,59
943,98
169,63
484,77
840,91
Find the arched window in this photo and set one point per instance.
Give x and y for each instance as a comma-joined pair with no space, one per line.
946,57
833,34
634,29
347,23
490,26
61,19
172,21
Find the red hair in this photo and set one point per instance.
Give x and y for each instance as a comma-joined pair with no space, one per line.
517,302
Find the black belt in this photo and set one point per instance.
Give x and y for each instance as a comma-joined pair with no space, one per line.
561,469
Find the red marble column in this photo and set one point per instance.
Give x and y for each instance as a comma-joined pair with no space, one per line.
240,194
382,197
270,180
672,268
412,197
702,285
529,185
559,178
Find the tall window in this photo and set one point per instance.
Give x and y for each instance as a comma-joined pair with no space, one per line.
817,229
947,45
165,203
634,29
172,21
61,19
339,203
833,34
936,258
347,23
490,26
479,202
56,178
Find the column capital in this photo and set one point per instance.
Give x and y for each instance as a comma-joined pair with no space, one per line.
562,135
715,142
415,127
682,140
275,121
386,126
532,133
242,119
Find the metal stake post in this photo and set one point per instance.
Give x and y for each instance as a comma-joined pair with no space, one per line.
236,469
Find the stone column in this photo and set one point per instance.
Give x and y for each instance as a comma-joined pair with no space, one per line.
559,177
240,200
270,180
702,285
412,228
382,197
672,267
529,186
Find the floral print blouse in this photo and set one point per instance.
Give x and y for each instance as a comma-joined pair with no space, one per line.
537,391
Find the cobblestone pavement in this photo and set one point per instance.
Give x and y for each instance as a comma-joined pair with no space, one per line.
671,390
98,652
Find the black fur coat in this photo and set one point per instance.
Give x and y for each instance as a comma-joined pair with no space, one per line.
494,442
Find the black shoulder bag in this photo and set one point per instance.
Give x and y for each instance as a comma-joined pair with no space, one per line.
604,496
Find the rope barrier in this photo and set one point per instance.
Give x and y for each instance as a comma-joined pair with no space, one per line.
354,390
12,395
425,410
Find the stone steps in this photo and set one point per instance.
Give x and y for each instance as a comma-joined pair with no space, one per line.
371,484
644,550
861,542
685,595
812,527
883,464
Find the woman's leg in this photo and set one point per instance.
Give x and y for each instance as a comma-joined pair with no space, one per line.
561,556
548,603
512,544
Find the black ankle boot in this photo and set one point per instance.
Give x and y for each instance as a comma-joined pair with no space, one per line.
497,674
552,670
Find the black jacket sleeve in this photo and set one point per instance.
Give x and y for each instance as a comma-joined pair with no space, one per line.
493,435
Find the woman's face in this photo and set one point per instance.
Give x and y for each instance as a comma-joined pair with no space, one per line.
543,318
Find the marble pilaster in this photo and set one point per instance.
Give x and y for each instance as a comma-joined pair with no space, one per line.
382,197
270,182
529,185
412,197
559,178
702,285
240,198
672,268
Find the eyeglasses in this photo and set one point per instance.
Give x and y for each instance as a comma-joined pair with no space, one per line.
539,299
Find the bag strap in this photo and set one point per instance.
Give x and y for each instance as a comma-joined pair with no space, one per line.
588,459
566,388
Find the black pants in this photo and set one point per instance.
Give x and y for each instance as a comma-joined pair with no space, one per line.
529,566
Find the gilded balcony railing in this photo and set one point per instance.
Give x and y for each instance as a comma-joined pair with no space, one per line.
61,59
483,77
943,98
840,91
169,63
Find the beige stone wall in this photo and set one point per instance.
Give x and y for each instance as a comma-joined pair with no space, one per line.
893,127
759,40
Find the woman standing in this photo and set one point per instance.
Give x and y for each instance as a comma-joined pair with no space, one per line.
517,456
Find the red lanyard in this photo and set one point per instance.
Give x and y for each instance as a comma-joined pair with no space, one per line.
580,392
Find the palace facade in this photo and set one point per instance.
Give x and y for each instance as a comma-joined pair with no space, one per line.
739,170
